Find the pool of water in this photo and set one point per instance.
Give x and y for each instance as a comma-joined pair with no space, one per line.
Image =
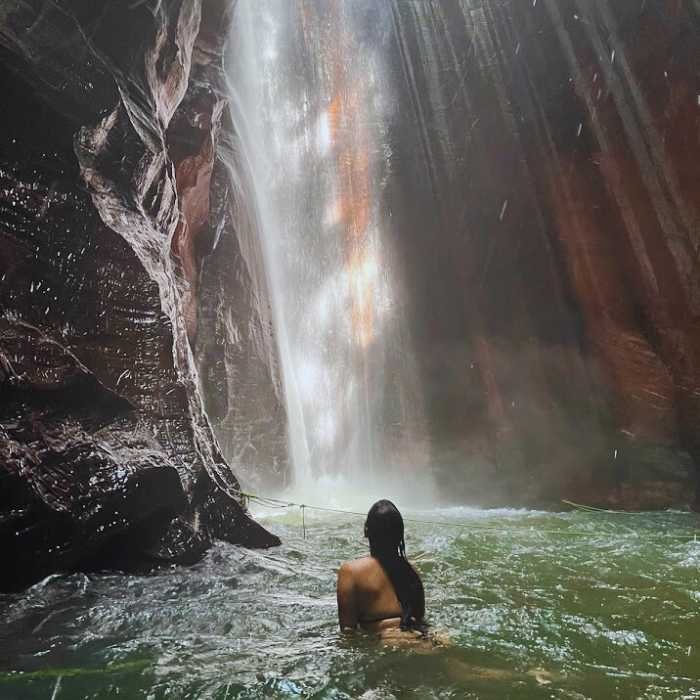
535,605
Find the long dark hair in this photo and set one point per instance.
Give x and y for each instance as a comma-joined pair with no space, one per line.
384,529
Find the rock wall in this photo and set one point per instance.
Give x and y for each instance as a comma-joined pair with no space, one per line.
558,169
110,134
622,191
232,335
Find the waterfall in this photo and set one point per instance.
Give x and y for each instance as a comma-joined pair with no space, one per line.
311,102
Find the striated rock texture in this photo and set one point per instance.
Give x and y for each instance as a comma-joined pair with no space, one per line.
623,197
228,310
558,168
108,158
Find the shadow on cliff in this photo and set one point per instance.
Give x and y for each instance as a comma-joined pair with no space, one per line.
108,457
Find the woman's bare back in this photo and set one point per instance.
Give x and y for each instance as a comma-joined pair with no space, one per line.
366,596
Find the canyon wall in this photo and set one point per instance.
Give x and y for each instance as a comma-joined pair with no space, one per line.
113,214
547,192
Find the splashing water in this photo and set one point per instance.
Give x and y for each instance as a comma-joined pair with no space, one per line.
535,605
310,100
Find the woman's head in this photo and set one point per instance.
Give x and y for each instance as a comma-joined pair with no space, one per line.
384,529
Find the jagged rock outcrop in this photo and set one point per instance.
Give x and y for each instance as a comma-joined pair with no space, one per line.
76,470
104,222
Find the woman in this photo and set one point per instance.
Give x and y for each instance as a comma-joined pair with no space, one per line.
381,593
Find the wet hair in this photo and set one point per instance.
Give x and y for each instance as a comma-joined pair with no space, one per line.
384,529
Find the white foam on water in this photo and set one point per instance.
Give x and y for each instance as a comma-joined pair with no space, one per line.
475,512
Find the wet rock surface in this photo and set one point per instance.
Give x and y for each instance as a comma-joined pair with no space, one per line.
227,301
76,471
104,433
557,320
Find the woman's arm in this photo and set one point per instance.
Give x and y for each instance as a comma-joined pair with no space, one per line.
347,600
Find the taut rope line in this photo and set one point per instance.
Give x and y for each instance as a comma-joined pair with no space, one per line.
278,503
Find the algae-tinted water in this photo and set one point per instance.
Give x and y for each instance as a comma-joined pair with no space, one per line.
600,606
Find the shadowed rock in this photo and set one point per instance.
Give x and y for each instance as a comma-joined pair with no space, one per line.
104,434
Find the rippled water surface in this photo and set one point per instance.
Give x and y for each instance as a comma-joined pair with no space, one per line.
535,605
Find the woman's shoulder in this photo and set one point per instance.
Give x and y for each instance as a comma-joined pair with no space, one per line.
358,563
354,567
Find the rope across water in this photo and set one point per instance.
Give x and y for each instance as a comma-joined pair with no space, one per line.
277,503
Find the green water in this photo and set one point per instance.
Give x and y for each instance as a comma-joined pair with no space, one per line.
609,606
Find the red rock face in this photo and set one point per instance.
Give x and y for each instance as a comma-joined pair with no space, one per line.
552,214
193,177
628,220
192,139
627,217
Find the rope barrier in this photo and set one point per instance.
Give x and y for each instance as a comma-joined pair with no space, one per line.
606,511
277,503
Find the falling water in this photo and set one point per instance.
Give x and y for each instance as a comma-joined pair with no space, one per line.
415,170
311,100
